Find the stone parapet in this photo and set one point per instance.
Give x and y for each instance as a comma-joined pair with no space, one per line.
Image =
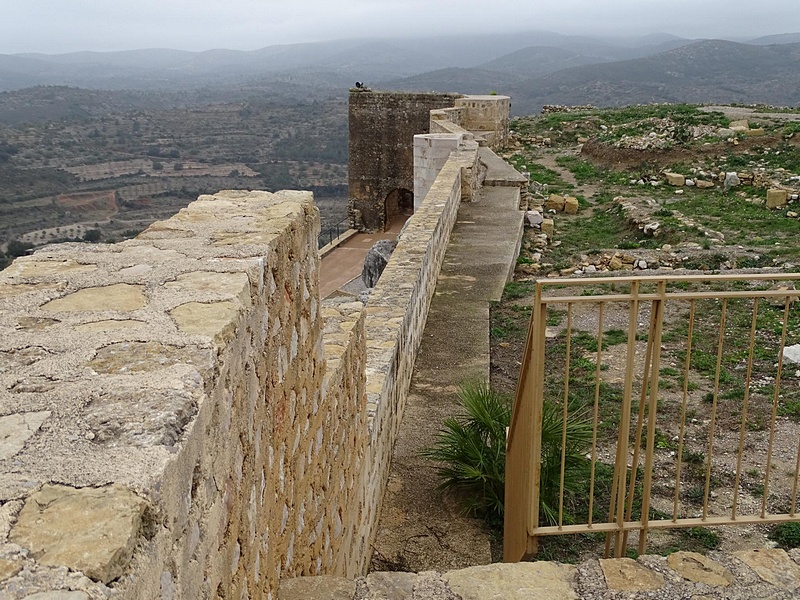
180,414
396,313
174,420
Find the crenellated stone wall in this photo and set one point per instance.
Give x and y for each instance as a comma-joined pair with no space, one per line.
382,159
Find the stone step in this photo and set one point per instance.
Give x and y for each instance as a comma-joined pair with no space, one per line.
765,573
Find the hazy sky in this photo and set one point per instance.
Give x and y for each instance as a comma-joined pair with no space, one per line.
53,26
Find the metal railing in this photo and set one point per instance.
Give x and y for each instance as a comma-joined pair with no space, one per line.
722,339
329,234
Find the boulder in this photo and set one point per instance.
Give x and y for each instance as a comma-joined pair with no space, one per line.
758,131
791,355
533,218
704,185
743,123
731,180
548,228
376,261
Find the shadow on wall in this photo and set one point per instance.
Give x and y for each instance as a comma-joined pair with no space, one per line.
398,206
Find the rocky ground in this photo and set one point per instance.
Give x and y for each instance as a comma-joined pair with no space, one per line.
649,191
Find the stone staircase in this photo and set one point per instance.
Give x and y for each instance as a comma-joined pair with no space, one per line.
768,573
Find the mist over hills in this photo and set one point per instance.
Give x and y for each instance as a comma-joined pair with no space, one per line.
535,68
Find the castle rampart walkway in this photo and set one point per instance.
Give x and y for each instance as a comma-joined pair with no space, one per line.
418,530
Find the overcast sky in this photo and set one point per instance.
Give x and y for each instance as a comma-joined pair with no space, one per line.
54,26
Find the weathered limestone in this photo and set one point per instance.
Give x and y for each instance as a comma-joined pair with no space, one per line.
308,588
487,116
571,205
119,297
625,574
757,574
431,152
700,569
675,179
555,202
16,429
541,580
777,198
206,430
93,530
773,566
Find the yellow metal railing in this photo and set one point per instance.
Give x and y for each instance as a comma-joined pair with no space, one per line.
743,320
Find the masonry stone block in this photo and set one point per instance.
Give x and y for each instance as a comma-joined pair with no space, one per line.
777,198
626,575
93,530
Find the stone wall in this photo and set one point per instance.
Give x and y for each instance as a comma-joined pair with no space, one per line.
175,421
486,116
180,416
382,127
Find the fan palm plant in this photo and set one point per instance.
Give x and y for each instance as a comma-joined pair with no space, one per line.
471,450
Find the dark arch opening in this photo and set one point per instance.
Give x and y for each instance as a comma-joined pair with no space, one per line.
398,207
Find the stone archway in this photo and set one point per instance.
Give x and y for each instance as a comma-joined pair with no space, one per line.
398,207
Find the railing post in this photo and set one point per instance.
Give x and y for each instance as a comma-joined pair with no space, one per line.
522,451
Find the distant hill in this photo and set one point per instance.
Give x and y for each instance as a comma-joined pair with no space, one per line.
535,67
371,60
781,38
706,71
535,61
465,81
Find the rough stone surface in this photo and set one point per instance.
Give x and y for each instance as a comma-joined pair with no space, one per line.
625,574
9,568
93,530
791,355
548,228
774,566
555,202
391,585
731,180
58,595
571,205
313,588
499,581
16,429
675,179
777,198
119,297
700,569
376,260
533,218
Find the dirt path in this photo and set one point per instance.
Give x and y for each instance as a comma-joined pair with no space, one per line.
587,190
